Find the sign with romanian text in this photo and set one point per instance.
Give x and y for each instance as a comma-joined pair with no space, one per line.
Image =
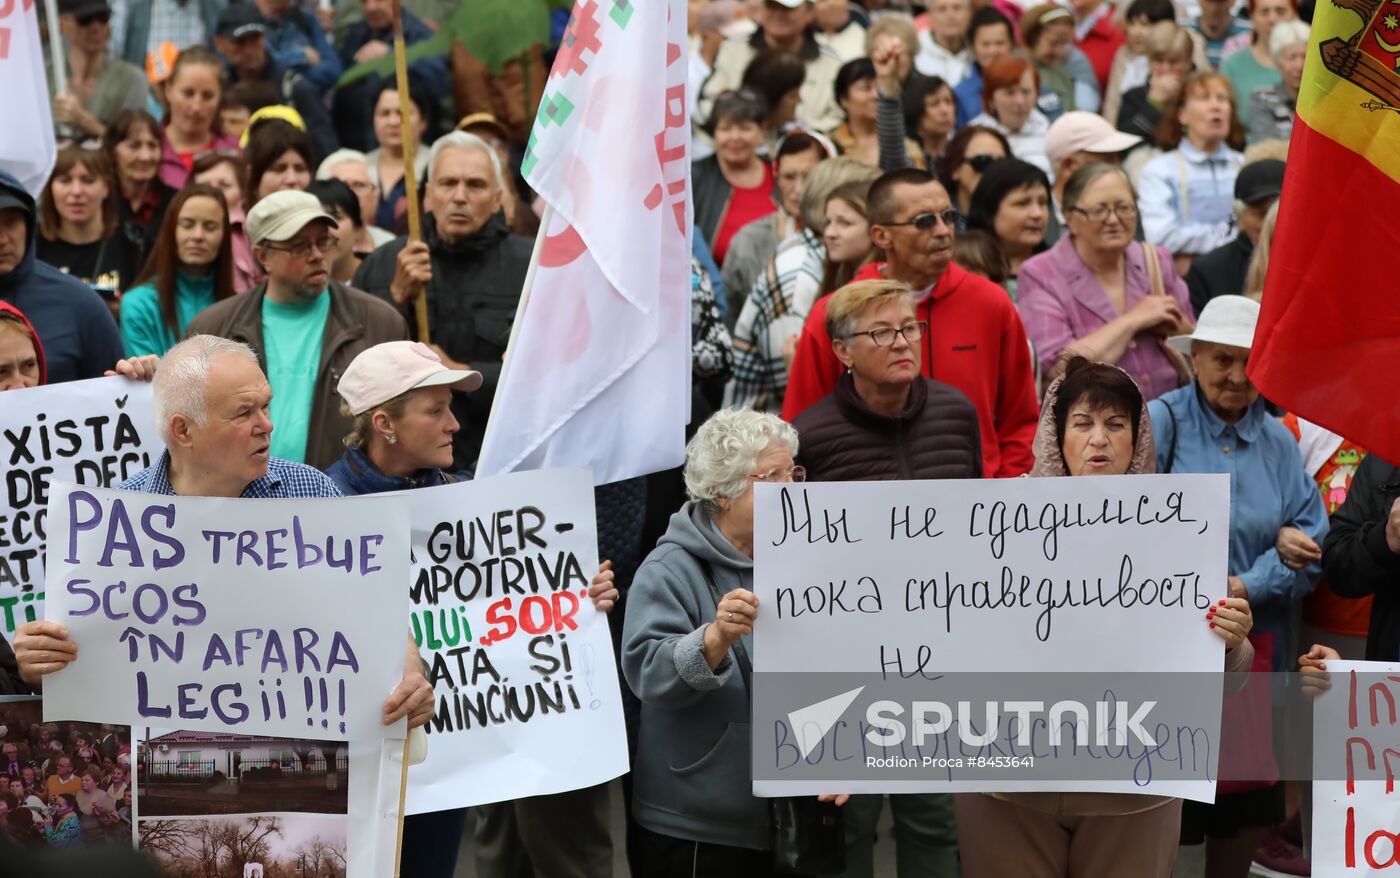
528,701
272,617
95,433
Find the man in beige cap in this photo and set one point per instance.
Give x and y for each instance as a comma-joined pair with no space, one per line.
304,327
1076,139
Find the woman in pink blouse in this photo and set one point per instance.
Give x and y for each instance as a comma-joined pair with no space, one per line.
1096,295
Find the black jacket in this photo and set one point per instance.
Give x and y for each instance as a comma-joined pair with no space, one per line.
10,683
1220,271
472,300
1356,559
1137,115
937,437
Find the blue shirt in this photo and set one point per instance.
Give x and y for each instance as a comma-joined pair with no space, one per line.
284,480
1186,198
1268,490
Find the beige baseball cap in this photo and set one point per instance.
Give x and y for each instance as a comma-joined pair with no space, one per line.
392,368
281,215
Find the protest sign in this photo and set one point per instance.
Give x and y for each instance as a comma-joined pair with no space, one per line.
96,433
1356,753
274,617
973,622
74,779
215,802
522,664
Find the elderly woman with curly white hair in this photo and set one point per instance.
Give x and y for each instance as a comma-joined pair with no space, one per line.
686,641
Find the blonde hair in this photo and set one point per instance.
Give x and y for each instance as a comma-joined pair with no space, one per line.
895,25
363,428
1259,261
1273,148
1169,39
846,305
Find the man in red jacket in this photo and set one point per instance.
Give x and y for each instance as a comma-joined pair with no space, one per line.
975,340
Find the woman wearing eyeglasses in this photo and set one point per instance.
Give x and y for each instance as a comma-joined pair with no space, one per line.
1101,295
885,421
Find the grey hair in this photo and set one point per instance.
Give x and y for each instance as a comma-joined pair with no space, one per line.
464,141
183,377
725,450
338,158
825,178
1285,34
1086,175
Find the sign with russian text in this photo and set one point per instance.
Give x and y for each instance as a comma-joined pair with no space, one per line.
274,617
995,635
95,433
521,663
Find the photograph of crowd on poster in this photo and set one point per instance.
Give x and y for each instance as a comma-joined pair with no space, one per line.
259,846
62,784
189,774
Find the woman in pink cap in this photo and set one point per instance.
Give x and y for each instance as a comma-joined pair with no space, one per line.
400,395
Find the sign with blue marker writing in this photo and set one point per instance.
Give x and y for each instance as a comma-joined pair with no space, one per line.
522,664
97,433
267,617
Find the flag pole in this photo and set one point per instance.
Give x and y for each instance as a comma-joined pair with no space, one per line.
57,58
525,292
410,146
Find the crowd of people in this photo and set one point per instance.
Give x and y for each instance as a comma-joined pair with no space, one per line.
960,239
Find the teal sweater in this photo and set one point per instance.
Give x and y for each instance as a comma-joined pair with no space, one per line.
144,330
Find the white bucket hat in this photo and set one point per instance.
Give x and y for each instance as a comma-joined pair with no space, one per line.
1227,320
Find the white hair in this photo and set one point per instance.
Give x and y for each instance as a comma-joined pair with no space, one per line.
1285,34
726,449
338,158
464,141
183,378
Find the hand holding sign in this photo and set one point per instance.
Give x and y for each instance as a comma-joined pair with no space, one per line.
41,648
602,590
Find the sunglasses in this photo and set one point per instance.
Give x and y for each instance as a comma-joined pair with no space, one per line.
96,17
979,163
927,222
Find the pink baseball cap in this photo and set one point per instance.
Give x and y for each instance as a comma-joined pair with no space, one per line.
387,370
1080,131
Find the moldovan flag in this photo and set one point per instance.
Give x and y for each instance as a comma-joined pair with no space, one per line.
597,373
27,147
1328,342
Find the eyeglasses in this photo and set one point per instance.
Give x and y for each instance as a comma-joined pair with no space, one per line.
927,222
884,336
979,163
302,249
1100,212
782,474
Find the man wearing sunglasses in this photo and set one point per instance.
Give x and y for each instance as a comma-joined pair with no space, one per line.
304,327
975,340
99,86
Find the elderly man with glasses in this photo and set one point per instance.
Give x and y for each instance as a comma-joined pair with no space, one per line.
304,327
974,340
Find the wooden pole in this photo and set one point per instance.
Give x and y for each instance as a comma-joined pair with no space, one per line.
403,776
410,145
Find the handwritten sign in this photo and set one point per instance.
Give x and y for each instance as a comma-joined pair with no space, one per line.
897,588
522,664
96,433
1356,808
273,617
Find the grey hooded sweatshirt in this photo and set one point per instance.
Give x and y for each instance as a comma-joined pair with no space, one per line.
692,777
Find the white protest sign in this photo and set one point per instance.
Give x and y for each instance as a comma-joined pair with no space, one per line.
97,433
1356,755
275,617
522,664
900,582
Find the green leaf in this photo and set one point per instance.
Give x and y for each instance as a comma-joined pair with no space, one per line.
495,31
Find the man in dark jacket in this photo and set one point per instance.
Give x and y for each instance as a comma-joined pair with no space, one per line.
304,327
1223,269
1361,555
469,266
77,331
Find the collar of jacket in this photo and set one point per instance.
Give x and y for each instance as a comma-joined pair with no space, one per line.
855,409
342,324
366,478
487,238
811,50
